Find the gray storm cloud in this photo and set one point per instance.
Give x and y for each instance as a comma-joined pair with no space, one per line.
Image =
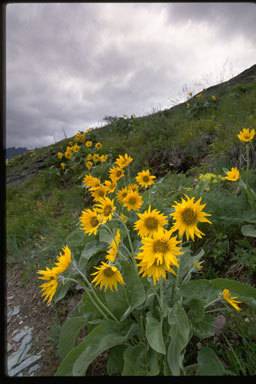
70,64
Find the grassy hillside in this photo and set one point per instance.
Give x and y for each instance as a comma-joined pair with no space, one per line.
188,148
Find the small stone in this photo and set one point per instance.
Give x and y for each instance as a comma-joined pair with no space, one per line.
33,368
25,364
21,334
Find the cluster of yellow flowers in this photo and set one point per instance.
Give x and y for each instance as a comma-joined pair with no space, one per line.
91,158
208,178
160,249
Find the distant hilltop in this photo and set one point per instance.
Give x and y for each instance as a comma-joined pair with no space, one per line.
13,152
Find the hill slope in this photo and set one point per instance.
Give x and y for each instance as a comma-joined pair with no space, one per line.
174,139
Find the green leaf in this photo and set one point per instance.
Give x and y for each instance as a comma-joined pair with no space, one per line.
208,363
154,334
91,249
249,230
116,301
180,333
115,361
197,307
202,288
105,335
61,291
76,237
245,292
134,288
69,333
134,361
204,328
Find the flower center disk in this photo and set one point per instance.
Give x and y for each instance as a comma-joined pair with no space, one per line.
151,223
189,217
160,246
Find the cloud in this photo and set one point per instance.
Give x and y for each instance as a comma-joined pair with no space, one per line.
70,64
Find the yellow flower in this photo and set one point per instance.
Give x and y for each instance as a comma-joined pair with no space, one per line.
88,165
188,105
133,187
232,175
158,255
98,145
76,148
62,165
89,156
90,221
231,300
187,215
105,208
88,144
48,274
49,289
110,185
108,276
123,161
103,158
99,192
82,138
199,95
121,194
213,98
190,93
116,173
150,222
113,248
96,157
91,181
63,260
245,135
77,137
133,201
60,154
68,154
144,179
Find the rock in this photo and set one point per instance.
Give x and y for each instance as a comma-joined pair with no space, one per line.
25,364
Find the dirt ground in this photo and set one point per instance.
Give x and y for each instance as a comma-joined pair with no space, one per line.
39,315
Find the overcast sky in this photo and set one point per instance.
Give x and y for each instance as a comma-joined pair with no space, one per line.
70,64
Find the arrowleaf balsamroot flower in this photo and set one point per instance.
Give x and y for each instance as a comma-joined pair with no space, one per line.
123,161
113,248
98,192
105,208
150,222
121,194
63,260
158,255
231,300
187,215
91,181
144,179
245,135
116,173
108,276
232,175
49,288
90,221
133,201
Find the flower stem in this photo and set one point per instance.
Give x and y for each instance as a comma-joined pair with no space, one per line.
91,289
